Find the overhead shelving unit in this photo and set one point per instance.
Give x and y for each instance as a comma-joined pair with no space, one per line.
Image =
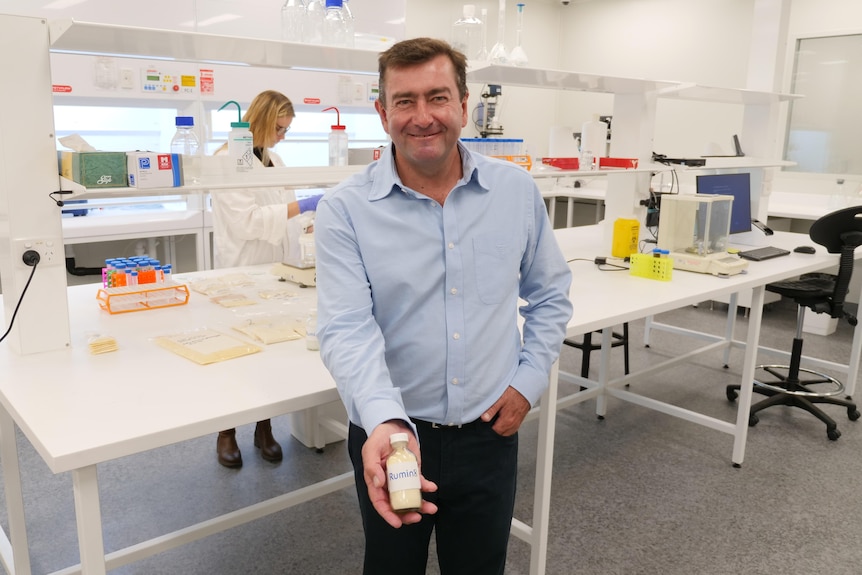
105,39
635,102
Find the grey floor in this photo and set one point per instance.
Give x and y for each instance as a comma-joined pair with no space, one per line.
639,492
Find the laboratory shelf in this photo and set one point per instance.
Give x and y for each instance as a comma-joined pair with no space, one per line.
563,80
306,177
741,96
581,82
91,38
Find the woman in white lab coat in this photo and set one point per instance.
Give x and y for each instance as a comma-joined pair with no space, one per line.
258,226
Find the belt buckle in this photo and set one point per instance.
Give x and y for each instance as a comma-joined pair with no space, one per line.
446,425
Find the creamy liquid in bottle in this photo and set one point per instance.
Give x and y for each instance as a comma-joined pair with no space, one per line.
402,476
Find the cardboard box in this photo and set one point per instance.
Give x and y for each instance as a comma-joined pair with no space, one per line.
819,323
94,169
153,170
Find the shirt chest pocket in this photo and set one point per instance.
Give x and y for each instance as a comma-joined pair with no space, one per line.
496,267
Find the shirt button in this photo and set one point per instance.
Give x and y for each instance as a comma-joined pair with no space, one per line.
454,291
454,381
456,335
451,245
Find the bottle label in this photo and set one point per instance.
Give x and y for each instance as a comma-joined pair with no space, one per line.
403,475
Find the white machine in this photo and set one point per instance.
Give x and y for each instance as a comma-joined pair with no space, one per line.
302,271
303,276
694,229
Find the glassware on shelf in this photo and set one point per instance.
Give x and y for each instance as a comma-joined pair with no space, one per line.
518,57
467,33
484,55
292,18
499,54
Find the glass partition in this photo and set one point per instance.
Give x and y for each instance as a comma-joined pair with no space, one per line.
824,127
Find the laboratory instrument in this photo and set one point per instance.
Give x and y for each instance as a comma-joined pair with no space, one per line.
694,229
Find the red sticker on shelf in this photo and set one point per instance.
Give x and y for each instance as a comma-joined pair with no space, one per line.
61,89
311,100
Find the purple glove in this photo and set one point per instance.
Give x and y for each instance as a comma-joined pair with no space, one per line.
308,204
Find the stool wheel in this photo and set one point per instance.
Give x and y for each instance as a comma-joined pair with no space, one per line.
833,434
752,420
731,394
853,414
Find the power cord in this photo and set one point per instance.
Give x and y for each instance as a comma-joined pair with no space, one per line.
31,258
610,267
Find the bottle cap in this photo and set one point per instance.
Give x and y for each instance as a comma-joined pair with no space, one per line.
333,3
396,437
239,124
185,121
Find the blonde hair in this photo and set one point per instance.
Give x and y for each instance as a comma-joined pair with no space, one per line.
262,116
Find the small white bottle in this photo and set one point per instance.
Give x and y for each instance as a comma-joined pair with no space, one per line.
337,141
292,19
240,146
311,341
185,143
838,200
402,476
307,255
336,26
467,33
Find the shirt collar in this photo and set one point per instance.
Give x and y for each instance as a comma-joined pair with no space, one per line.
387,179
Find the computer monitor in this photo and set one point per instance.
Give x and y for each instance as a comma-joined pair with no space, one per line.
736,185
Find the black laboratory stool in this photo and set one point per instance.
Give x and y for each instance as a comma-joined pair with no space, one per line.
840,232
587,346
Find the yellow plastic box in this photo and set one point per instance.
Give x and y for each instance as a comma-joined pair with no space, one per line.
650,266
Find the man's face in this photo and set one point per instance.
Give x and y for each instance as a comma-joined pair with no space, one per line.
423,114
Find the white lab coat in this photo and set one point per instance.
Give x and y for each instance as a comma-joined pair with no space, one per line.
250,226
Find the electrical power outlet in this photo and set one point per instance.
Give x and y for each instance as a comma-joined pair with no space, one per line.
127,78
50,250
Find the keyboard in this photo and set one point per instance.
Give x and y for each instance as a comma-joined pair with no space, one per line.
764,253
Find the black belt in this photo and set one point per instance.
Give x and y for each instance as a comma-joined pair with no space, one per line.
434,425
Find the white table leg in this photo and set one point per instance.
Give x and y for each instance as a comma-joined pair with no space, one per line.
544,473
15,551
747,380
604,371
730,326
647,329
570,212
88,512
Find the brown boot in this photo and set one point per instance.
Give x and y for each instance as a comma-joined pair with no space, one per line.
269,447
227,449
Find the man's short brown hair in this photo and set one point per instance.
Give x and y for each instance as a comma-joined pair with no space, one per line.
418,51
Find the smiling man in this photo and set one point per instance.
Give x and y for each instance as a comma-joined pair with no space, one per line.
421,261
